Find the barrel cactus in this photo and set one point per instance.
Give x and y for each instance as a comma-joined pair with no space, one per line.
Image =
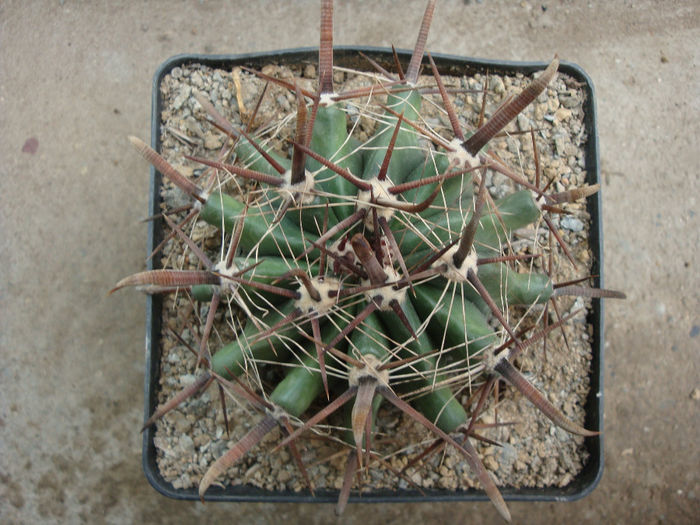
367,269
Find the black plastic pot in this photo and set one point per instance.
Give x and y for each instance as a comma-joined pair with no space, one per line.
582,484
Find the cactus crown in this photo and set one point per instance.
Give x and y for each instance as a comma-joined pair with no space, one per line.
368,264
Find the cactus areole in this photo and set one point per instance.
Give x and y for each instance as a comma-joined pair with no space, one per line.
361,267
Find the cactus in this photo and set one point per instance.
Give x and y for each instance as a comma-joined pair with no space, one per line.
368,271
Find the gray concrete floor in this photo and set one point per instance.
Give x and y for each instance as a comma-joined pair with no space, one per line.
77,77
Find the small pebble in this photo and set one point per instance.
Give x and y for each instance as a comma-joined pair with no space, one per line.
201,440
569,101
524,123
284,476
497,85
186,444
284,103
196,79
213,141
310,71
562,115
571,223
490,463
182,97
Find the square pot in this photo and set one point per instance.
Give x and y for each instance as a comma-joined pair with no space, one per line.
580,485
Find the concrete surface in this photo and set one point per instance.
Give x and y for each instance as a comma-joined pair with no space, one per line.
76,77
